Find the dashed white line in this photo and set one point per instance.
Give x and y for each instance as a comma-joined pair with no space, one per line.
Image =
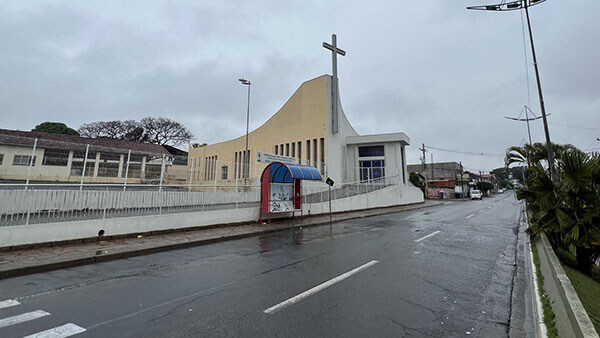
471,215
318,288
8,303
62,331
431,234
22,318
482,210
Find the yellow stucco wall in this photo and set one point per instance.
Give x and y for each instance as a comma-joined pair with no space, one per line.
50,173
303,117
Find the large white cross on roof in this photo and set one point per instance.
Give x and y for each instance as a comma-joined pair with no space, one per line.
334,86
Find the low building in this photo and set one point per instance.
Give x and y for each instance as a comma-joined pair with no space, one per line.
308,130
61,158
445,179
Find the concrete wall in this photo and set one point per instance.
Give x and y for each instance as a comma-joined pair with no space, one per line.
301,118
440,170
337,152
47,172
390,196
393,160
52,173
571,319
54,232
51,232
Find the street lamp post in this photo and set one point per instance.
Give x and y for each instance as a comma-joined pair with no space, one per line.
525,4
246,155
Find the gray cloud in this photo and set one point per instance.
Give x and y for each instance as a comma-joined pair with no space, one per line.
443,75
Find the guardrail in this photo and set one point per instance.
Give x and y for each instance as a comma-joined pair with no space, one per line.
59,203
52,203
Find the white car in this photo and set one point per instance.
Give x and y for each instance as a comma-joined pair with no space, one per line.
476,194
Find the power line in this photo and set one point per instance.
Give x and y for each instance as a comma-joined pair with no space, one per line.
575,127
526,63
467,152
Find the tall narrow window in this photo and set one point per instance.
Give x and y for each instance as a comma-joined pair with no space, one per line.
276,148
287,149
322,146
315,163
205,168
215,168
293,149
402,159
240,164
224,172
247,164
235,161
307,152
299,152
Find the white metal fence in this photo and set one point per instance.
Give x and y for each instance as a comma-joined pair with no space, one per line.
60,203
46,203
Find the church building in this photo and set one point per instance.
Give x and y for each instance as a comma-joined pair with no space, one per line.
310,129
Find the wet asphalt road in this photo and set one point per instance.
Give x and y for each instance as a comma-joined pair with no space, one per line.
441,271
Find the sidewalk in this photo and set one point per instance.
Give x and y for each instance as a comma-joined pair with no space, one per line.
23,262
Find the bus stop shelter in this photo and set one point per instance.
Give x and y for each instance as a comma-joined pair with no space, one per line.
281,190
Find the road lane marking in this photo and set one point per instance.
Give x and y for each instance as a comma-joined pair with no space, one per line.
318,288
8,303
135,313
431,234
482,210
22,318
62,331
471,215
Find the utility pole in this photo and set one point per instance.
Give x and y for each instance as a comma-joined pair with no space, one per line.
525,4
424,170
432,173
462,180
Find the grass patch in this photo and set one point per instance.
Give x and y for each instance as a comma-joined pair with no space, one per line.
546,307
588,291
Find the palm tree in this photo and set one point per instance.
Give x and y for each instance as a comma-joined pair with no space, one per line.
533,154
567,211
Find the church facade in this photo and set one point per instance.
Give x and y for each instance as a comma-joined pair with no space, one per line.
309,129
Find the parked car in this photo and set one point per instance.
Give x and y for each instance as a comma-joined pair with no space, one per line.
500,191
476,194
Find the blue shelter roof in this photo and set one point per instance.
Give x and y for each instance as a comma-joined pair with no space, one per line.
286,173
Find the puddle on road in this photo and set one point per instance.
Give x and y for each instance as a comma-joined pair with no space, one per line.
299,236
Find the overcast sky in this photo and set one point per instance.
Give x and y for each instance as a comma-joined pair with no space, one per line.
443,75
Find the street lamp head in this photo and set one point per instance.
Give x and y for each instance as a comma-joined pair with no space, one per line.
507,6
244,81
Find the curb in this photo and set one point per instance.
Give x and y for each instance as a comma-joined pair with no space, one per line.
570,317
27,270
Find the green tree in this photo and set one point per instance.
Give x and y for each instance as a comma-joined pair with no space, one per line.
416,180
55,128
567,211
534,154
485,187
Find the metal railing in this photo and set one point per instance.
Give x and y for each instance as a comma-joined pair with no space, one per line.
50,203
47,203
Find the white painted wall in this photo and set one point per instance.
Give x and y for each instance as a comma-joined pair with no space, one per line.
52,232
336,147
390,196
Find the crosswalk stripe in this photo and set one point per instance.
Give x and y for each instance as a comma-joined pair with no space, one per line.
8,302
62,331
22,318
